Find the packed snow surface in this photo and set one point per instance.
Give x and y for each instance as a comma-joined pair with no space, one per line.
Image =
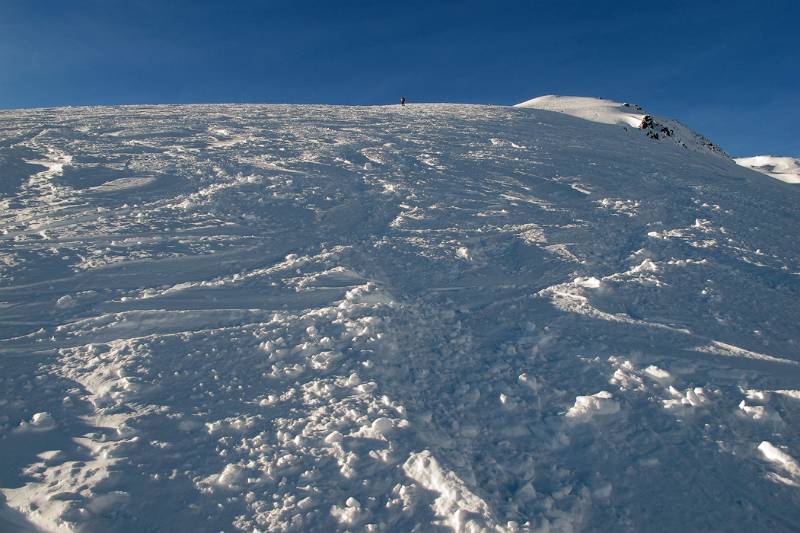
783,168
430,318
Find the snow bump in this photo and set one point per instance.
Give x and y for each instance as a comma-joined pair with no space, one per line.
587,407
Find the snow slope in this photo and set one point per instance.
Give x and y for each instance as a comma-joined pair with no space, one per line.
594,109
627,115
441,317
786,169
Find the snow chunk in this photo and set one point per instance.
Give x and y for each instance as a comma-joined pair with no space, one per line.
382,426
365,294
758,395
38,422
658,374
589,283
759,413
65,302
691,398
646,266
455,502
779,458
587,407
333,437
350,514
231,477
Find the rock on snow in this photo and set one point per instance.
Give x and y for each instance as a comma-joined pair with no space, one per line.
311,318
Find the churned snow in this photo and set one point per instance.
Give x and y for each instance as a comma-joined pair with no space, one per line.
786,169
427,318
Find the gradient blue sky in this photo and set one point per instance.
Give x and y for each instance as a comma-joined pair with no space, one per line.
729,69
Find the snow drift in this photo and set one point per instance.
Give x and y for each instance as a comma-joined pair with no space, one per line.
594,109
625,114
786,169
436,317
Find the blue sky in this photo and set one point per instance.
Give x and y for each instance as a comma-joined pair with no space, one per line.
729,69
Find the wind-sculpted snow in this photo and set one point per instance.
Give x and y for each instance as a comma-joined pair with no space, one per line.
786,169
626,115
430,318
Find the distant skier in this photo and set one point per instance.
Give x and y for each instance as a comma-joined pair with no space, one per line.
402,100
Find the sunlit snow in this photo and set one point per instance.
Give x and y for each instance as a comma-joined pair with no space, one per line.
783,168
429,318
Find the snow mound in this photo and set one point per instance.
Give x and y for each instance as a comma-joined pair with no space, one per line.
593,109
786,169
38,422
587,407
456,505
605,111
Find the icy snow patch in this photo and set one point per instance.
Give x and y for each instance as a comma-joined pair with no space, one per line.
123,184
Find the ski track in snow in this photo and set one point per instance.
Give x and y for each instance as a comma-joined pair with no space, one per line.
442,317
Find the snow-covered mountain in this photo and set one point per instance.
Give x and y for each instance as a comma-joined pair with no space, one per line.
429,318
627,115
783,168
